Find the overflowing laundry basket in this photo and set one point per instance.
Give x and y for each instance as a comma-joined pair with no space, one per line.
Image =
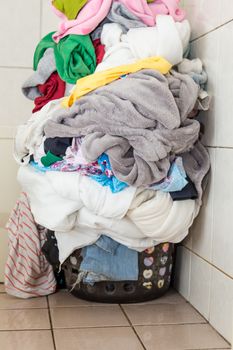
112,164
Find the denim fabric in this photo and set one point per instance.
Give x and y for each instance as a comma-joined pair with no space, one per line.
108,260
175,180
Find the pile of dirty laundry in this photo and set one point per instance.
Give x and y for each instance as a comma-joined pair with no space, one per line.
111,159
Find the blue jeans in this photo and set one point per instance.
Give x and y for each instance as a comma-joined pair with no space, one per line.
108,260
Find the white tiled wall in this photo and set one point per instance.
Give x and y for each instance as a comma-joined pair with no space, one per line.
23,23
208,252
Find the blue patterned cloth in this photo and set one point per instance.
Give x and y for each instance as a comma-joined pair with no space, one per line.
107,177
175,180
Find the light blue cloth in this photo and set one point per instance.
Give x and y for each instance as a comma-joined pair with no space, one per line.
107,260
39,167
107,178
200,79
175,180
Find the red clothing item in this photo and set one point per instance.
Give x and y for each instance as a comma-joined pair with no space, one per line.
99,50
52,89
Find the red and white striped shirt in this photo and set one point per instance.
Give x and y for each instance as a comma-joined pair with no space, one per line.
27,272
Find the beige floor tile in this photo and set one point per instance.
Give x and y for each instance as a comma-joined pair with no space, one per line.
65,299
80,317
162,314
97,339
11,303
171,297
2,288
26,340
180,337
24,319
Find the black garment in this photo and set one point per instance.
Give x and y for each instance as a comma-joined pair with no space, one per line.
188,192
50,249
57,145
51,252
60,278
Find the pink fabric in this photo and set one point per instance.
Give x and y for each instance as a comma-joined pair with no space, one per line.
168,7
96,10
148,12
141,9
88,19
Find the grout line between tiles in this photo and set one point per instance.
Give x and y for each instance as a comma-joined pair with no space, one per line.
51,324
175,324
171,324
112,326
106,305
221,147
15,67
80,306
189,276
212,30
25,330
132,327
23,308
208,262
91,327
210,293
212,231
138,325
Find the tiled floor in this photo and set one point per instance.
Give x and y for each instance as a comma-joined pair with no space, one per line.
62,322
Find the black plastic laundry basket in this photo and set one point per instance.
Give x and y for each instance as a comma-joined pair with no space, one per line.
155,268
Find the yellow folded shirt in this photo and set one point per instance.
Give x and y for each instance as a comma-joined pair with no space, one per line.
96,80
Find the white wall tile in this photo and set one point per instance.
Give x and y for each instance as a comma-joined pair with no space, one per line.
9,187
17,108
207,49
226,11
222,223
202,229
3,251
221,305
216,51
200,280
20,32
224,92
204,15
182,271
49,20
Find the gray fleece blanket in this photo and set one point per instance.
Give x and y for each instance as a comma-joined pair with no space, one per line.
139,121
197,164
